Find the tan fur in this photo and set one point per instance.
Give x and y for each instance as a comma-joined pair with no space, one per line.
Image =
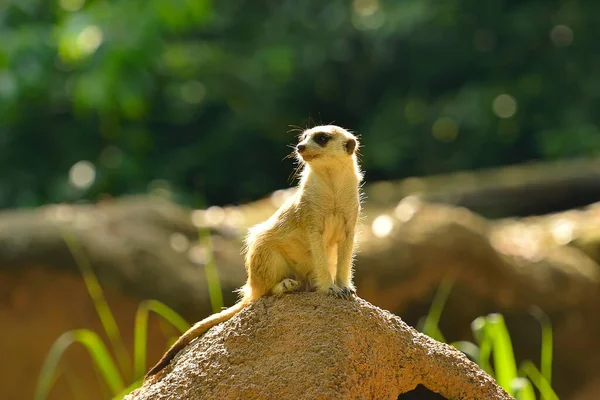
308,243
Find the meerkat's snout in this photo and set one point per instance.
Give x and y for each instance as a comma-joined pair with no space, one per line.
300,148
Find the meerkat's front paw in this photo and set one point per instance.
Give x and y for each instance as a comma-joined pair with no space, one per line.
286,286
336,291
347,287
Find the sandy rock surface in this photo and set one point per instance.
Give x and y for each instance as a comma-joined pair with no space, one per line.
308,346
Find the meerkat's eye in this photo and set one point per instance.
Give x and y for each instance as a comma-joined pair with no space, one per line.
321,139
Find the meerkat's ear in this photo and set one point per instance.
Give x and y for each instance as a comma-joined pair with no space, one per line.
350,146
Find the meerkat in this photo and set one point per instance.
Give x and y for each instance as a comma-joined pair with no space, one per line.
309,242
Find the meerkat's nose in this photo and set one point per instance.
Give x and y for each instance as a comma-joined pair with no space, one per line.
301,148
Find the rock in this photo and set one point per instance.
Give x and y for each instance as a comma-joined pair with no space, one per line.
309,346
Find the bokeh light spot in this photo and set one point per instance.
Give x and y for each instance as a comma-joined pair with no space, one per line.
179,242
445,130
71,5
367,15
89,39
198,255
382,226
365,7
562,231
407,208
82,174
192,92
214,215
504,106
198,218
561,35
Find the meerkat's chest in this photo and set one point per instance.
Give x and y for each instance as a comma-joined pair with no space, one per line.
334,228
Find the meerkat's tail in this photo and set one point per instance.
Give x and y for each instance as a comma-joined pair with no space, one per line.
195,331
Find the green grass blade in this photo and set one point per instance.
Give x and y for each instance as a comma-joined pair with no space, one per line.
481,333
140,338
104,313
98,352
128,389
141,330
546,352
504,359
432,321
529,370
470,349
522,389
211,270
546,358
435,333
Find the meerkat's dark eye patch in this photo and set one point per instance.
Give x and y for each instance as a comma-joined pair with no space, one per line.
321,138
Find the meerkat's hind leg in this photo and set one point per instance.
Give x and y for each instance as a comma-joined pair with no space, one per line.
269,272
287,285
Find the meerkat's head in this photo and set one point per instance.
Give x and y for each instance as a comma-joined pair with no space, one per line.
322,144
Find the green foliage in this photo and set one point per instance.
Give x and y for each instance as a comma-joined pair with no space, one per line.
101,357
430,325
491,333
102,309
196,94
215,292
493,342
141,330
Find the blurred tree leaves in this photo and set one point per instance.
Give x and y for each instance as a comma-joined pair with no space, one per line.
201,94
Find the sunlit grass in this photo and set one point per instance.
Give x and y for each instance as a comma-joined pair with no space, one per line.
430,325
546,356
97,350
215,292
141,330
97,295
101,358
490,333
493,350
541,382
